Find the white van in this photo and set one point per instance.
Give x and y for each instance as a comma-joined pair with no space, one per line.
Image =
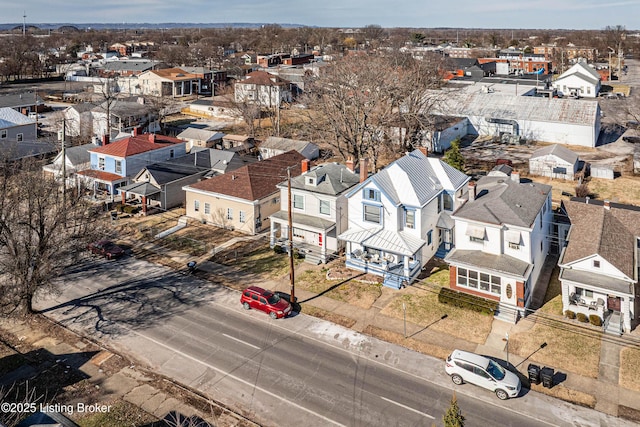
463,366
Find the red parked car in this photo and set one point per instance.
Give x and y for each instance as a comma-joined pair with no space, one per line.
106,248
264,300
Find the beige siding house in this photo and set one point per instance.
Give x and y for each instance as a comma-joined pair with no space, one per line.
243,199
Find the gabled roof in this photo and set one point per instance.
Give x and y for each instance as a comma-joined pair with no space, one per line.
582,69
13,150
221,161
331,179
136,145
200,134
10,117
415,179
503,201
79,154
255,181
285,144
611,233
556,150
263,78
121,108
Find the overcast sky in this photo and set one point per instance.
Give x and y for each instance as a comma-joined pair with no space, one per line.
569,14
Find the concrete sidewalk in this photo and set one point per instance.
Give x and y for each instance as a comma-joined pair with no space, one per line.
609,397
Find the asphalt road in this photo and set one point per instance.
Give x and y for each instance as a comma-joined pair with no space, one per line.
294,371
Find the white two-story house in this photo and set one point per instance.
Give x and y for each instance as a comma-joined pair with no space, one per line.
501,240
399,217
318,208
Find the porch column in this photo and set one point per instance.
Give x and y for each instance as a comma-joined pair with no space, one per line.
520,294
272,234
124,197
407,269
144,205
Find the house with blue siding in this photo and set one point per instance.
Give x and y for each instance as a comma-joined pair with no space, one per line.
400,217
112,165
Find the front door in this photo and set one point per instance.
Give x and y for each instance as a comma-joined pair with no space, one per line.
613,303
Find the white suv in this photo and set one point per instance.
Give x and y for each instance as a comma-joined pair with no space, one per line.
479,370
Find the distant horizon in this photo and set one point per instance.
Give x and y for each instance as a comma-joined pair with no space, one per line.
240,24
486,15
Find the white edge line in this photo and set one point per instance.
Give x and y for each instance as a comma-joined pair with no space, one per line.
407,407
240,341
238,379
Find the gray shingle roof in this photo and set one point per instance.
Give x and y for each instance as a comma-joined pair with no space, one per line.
16,100
610,233
10,117
79,154
500,263
556,150
284,144
503,201
200,134
332,179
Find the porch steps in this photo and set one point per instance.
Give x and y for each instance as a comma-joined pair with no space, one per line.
507,313
440,253
312,258
613,324
393,280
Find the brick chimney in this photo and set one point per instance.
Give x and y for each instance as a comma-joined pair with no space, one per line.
472,191
515,176
136,131
105,140
349,164
607,204
363,170
424,150
305,165
152,137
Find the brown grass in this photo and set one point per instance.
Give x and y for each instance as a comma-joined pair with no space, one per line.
423,309
339,319
413,344
553,298
561,392
629,372
351,291
624,189
568,348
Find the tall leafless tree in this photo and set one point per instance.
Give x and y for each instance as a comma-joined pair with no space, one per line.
42,231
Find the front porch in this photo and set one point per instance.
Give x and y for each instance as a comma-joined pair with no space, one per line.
100,184
608,298
397,270
141,194
314,237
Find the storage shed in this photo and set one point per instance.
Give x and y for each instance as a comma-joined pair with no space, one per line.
554,161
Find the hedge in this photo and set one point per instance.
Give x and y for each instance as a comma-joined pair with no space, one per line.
582,317
464,300
595,320
570,314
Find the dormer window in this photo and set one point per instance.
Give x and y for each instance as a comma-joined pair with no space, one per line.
311,181
371,194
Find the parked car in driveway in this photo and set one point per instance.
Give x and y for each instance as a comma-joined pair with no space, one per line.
106,248
464,366
265,300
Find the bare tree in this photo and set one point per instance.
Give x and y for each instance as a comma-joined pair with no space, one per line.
357,101
42,231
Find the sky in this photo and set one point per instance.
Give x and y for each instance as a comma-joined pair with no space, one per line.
561,14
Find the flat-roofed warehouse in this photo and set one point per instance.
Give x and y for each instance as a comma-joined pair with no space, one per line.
554,120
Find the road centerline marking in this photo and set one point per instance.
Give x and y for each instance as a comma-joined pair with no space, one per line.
243,342
407,408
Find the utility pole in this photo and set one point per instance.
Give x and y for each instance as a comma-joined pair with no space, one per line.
291,269
64,163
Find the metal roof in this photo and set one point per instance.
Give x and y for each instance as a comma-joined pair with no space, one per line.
556,150
415,179
528,108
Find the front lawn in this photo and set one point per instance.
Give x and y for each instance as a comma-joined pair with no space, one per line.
423,309
347,290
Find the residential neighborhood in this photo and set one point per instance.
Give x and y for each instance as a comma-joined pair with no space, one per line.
430,225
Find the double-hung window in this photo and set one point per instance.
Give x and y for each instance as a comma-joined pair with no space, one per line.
229,214
372,213
325,207
371,194
409,218
298,201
